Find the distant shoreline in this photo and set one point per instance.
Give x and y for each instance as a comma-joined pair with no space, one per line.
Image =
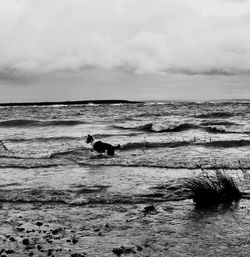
72,102
117,102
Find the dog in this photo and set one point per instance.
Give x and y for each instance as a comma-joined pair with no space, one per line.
101,147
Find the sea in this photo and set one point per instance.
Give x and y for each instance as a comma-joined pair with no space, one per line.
45,160
161,135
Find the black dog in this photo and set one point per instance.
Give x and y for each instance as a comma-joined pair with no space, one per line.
101,147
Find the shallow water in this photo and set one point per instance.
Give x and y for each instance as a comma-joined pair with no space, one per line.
49,175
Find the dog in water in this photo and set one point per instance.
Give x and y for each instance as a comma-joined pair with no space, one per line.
101,147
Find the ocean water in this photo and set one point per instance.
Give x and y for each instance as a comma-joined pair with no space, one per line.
49,176
178,136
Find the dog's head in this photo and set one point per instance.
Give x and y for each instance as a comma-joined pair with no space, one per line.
89,139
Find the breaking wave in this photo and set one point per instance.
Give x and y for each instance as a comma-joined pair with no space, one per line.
218,123
223,143
44,139
230,143
215,115
173,128
146,128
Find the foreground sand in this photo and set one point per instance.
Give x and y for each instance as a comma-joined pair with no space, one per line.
131,212
171,229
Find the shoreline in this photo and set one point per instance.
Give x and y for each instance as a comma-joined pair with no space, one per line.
72,102
115,101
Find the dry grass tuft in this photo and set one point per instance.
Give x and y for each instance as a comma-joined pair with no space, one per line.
213,188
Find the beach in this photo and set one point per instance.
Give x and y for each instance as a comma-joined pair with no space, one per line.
59,199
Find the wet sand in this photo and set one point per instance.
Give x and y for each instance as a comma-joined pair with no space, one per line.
119,212
172,229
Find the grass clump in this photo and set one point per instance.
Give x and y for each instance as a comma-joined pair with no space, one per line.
213,188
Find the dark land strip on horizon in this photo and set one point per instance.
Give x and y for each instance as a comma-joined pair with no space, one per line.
72,102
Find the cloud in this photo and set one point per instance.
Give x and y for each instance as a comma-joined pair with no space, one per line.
142,36
236,1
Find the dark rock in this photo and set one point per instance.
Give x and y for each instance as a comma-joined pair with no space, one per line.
50,252
128,250
77,255
149,209
9,251
74,240
31,254
39,223
12,239
26,241
139,248
39,247
20,229
118,251
123,250
56,231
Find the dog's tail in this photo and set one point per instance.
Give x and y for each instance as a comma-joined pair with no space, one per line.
118,146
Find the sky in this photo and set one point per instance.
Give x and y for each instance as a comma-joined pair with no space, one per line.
57,50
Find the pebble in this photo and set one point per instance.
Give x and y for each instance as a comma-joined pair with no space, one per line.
20,229
139,248
26,241
149,209
77,255
123,250
9,251
50,252
74,240
12,239
39,224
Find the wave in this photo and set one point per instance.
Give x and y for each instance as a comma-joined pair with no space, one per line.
215,115
64,138
215,130
150,114
86,195
145,145
218,123
43,139
27,166
174,128
29,123
229,143
222,143
146,127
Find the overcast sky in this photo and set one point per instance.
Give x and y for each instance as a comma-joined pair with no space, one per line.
124,49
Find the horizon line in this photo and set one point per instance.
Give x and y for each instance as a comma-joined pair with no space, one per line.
114,101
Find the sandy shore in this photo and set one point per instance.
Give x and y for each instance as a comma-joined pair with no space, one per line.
114,211
168,229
